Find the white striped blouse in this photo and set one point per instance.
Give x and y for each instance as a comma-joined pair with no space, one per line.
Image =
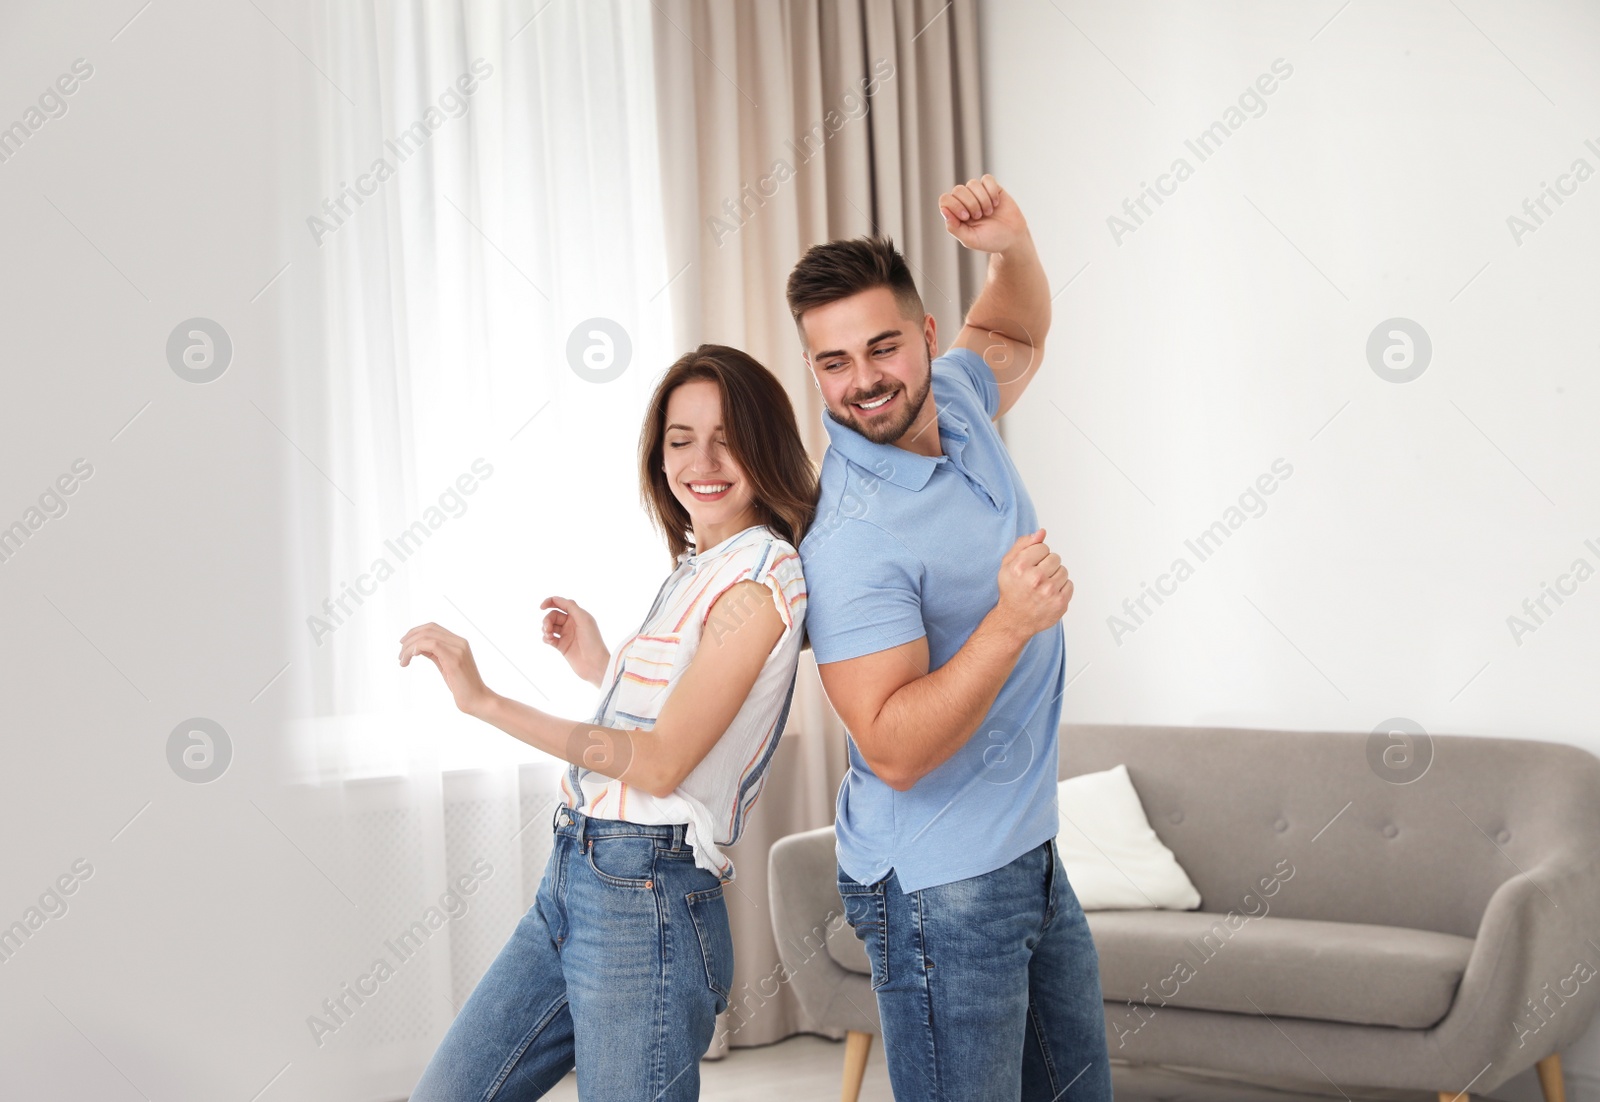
717,795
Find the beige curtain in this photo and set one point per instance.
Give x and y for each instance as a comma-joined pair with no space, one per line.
785,123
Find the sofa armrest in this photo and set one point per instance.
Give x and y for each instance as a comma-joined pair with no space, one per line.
802,889
1539,928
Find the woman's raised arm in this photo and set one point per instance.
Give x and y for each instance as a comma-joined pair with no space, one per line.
741,629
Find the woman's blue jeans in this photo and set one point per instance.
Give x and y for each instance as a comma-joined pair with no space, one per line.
621,966
988,988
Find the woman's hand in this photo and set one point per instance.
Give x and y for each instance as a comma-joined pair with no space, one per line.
570,629
453,655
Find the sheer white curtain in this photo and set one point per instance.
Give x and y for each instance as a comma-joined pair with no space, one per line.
488,188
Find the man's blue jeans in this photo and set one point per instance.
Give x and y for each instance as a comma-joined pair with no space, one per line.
988,988
622,966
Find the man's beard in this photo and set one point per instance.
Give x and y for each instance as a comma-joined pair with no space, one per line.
886,430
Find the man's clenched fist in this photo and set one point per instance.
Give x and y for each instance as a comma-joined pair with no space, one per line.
982,216
1034,587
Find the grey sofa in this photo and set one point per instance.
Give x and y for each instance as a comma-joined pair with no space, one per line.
1360,924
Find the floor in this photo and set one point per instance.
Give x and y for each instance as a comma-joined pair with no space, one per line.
807,1069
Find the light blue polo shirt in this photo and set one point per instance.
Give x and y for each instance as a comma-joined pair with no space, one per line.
906,545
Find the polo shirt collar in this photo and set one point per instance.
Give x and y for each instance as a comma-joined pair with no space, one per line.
908,469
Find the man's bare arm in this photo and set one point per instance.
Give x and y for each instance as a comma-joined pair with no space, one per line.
1008,323
907,721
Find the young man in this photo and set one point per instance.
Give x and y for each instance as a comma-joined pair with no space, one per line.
934,615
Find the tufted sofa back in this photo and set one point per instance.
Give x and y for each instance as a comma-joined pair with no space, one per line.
1324,819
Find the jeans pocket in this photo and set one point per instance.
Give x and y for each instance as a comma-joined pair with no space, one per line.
1051,860
709,911
623,861
866,912
1060,897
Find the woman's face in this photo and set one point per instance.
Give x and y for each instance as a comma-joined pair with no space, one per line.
700,469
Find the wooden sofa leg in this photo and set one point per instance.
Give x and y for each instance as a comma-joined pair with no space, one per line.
856,1047
1550,1081
1452,1096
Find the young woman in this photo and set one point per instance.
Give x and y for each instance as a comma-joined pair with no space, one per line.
625,959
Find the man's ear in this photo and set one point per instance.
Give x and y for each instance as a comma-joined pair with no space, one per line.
930,335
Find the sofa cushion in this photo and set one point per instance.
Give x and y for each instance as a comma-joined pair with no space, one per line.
1113,859
1290,967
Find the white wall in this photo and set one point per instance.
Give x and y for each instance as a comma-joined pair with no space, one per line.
177,964
1229,328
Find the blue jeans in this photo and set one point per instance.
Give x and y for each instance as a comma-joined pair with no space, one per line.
621,966
988,988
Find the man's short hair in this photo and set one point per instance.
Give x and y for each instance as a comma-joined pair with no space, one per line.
839,269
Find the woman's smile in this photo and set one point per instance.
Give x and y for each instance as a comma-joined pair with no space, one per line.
709,491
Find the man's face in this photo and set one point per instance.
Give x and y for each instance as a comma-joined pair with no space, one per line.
871,363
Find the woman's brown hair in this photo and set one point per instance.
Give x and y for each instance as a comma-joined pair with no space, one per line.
762,435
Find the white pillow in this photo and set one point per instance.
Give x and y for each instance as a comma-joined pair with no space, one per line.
1113,859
